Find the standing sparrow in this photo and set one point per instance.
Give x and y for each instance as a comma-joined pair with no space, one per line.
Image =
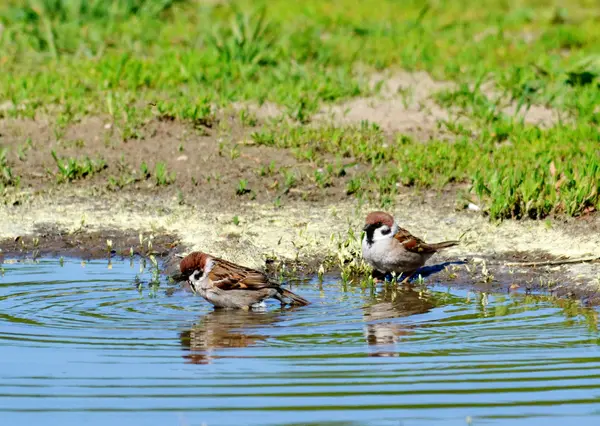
227,285
389,248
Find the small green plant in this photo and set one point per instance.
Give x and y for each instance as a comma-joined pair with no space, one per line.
236,220
247,118
267,170
321,273
7,177
162,175
367,281
249,40
585,72
242,187
322,178
117,183
199,112
23,149
72,169
290,178
420,281
234,152
354,185
154,283
144,170
347,257
302,109
263,137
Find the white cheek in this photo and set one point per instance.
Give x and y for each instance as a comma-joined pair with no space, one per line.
379,235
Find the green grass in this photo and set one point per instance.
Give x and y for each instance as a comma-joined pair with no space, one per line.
536,173
7,177
242,187
70,169
162,176
134,60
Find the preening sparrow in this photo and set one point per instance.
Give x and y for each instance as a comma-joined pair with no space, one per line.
227,285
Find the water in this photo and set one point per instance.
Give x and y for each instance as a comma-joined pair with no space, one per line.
80,343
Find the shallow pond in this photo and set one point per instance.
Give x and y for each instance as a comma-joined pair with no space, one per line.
87,342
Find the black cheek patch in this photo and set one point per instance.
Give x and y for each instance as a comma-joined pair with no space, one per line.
370,230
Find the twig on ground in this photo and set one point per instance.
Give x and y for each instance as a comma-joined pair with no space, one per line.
555,262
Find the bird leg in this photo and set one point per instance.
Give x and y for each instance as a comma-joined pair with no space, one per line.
408,275
378,276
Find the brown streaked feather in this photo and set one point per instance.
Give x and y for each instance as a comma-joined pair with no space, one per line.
417,245
228,276
445,244
296,300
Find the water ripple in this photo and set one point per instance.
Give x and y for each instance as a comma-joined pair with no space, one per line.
80,342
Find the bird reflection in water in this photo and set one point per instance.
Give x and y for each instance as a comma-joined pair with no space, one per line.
389,303
221,329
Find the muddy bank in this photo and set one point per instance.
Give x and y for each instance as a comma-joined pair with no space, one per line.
304,235
49,240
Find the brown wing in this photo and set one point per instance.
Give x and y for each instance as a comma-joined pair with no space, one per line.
228,276
412,243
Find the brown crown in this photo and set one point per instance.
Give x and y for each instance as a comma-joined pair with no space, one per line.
379,217
193,261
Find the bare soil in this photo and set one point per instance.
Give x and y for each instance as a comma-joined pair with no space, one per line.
405,104
205,161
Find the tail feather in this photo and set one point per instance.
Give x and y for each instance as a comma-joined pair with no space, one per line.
296,300
445,244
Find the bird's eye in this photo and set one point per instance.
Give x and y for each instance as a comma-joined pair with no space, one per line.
386,231
197,275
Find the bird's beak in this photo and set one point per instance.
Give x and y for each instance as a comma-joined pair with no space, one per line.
189,282
178,277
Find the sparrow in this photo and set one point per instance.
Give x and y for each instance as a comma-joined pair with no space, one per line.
388,248
227,285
